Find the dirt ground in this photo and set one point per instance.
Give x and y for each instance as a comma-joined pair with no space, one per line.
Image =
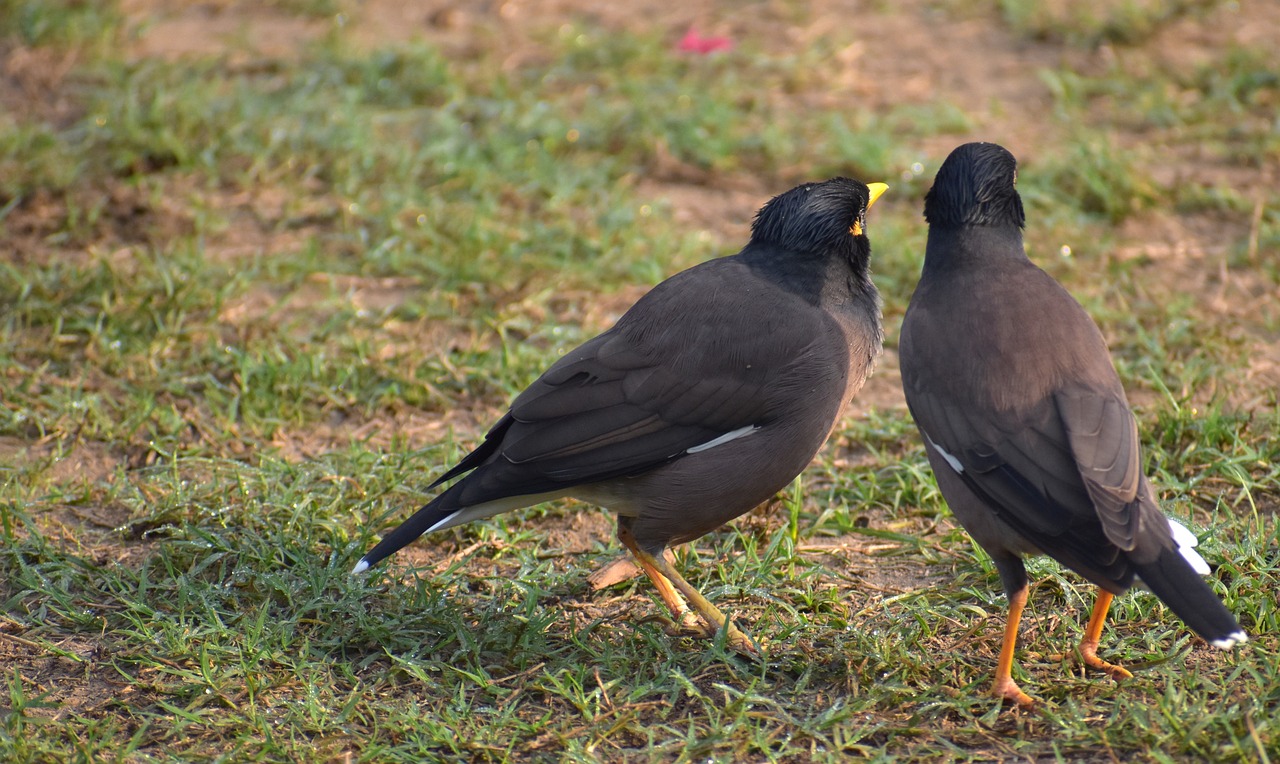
897,61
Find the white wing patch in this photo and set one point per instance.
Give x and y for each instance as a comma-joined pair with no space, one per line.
1187,542
720,441
951,461
440,522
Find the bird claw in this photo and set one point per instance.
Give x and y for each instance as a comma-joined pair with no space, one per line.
1008,690
1089,656
689,625
1091,659
692,625
616,571
739,642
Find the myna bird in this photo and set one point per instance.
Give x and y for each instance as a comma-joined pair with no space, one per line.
1024,419
705,399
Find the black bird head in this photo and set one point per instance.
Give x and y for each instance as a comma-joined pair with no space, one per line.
974,187
817,217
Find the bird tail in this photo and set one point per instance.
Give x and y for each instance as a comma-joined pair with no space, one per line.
1172,578
435,515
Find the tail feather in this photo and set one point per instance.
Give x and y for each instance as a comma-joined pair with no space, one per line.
455,506
1172,578
439,511
432,516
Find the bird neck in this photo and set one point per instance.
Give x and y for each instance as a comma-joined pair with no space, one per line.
970,246
835,272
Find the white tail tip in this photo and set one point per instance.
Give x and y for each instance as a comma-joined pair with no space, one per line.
1230,641
360,567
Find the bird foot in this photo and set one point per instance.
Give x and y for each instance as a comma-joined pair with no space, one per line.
690,624
740,643
619,569
1091,659
1007,689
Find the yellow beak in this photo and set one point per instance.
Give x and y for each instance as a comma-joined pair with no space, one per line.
876,190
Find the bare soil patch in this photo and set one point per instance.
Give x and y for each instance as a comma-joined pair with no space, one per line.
67,463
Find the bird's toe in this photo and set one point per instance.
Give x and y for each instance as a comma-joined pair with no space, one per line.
1117,673
687,624
1010,691
741,643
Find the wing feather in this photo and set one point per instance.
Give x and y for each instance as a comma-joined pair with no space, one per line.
673,374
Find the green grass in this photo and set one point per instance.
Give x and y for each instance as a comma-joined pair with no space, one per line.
1124,22
250,304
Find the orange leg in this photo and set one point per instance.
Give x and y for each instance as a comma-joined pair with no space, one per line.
1004,686
686,621
1093,633
671,585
